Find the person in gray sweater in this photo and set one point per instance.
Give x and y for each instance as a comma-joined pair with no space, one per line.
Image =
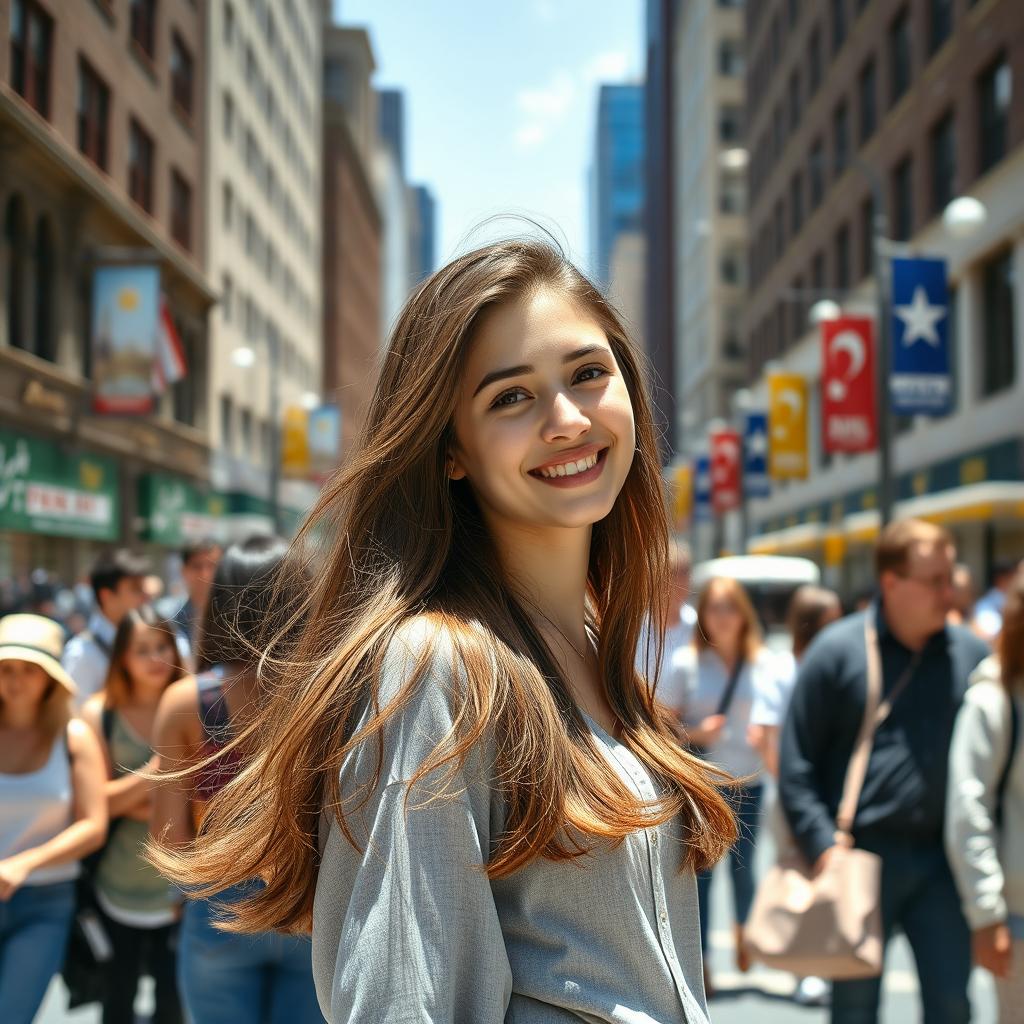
985,810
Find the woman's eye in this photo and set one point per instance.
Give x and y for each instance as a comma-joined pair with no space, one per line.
590,373
507,398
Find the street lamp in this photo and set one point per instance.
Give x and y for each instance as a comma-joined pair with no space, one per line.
243,357
824,309
963,216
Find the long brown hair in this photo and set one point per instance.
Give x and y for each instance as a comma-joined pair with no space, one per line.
1010,645
733,590
117,690
404,542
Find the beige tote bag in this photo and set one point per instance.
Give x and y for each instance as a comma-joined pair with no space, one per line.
830,926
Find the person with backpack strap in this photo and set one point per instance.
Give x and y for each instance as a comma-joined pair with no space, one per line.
985,810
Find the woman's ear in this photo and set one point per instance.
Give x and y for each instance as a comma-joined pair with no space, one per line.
452,468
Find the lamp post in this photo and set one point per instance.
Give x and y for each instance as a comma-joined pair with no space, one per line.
742,402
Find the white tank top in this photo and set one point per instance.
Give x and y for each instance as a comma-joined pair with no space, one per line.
35,807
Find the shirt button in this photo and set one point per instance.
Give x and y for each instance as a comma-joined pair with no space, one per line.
664,917
654,839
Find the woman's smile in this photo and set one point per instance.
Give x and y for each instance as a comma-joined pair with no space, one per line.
573,469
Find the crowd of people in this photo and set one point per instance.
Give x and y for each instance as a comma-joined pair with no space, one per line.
460,766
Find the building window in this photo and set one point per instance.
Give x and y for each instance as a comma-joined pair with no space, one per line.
181,75
731,267
841,137
943,153
181,210
843,258
246,431
143,26
816,172
227,297
45,293
794,101
732,189
228,206
995,87
838,24
900,66
140,166
867,237
227,423
229,25
940,23
796,203
867,89
730,124
902,201
780,229
730,59
814,60
16,241
31,50
818,273
228,116
93,114
778,131
999,371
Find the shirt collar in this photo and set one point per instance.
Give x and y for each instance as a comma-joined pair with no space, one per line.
101,626
886,634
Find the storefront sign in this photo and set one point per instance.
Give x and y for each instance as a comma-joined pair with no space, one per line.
848,385
787,419
726,460
175,511
44,490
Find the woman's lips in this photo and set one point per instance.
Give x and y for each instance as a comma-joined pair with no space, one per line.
577,479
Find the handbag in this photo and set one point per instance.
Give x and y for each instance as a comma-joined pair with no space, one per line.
830,925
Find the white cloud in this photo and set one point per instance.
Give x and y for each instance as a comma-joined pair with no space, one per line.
530,135
543,108
612,66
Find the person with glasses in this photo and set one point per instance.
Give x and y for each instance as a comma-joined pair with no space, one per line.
925,665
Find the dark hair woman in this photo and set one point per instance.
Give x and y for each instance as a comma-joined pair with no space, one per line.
458,777
223,977
140,908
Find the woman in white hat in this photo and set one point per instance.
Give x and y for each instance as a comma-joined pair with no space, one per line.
53,810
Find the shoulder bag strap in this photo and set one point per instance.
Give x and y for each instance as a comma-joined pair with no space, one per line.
730,687
876,711
1004,776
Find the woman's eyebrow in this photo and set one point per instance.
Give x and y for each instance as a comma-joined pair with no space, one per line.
518,371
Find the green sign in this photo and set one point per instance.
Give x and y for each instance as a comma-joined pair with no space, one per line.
176,512
43,490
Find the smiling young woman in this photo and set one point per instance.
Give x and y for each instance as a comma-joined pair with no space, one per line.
460,781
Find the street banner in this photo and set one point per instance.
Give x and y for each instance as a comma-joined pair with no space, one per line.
324,440
682,496
726,463
169,366
848,422
125,325
295,462
921,382
755,456
787,420
702,489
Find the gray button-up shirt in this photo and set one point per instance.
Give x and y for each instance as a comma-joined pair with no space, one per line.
413,930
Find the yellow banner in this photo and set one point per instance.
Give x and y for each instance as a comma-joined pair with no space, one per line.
295,460
787,424
682,497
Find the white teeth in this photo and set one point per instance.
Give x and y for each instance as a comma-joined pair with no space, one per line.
583,465
570,468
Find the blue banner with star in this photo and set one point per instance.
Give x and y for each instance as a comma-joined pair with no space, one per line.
702,489
920,382
756,483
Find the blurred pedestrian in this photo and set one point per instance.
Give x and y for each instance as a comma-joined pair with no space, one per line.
457,772
962,610
713,685
52,811
139,908
988,612
266,976
682,617
117,582
198,566
925,664
985,809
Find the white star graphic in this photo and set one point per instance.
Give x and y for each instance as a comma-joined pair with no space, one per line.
757,444
919,319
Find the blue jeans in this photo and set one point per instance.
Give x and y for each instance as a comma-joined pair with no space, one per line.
34,927
259,979
918,896
747,804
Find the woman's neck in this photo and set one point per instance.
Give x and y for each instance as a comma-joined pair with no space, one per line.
18,719
549,568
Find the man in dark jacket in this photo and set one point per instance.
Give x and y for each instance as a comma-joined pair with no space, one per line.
900,813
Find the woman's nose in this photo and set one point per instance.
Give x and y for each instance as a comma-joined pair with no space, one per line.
565,418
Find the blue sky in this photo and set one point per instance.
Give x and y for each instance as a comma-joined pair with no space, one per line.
500,102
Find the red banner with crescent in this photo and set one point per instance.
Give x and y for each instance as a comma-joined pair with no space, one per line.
726,470
848,420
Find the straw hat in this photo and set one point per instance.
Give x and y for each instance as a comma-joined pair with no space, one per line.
36,639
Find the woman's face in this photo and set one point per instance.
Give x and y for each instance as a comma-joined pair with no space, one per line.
723,618
23,684
149,658
543,425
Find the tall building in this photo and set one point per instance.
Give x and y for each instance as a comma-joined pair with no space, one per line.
391,105
659,215
708,213
263,182
102,108
352,228
921,103
424,240
617,174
